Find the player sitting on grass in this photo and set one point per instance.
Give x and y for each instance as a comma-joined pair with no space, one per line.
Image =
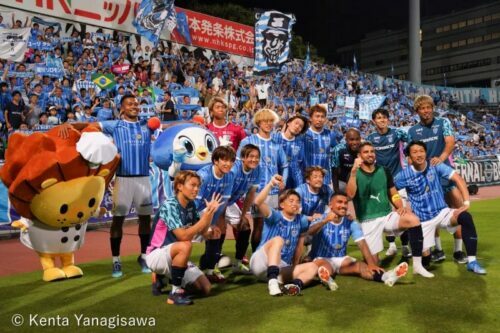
280,250
422,182
329,248
174,226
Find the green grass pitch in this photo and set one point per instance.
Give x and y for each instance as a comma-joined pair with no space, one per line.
454,301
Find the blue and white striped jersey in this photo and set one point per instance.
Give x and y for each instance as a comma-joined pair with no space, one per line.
424,189
243,181
294,151
331,240
314,202
318,150
272,160
277,225
133,142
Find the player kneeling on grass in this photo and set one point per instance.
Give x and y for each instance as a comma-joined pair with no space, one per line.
422,183
329,248
174,227
280,249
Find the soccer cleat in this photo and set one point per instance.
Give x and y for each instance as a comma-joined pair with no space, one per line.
216,276
460,257
391,251
437,255
224,261
178,298
406,251
117,269
395,274
274,287
157,284
291,289
423,272
475,267
142,263
240,268
326,279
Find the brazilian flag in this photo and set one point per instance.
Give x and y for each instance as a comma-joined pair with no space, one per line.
104,81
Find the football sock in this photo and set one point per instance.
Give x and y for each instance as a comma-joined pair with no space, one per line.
438,243
390,239
273,272
242,243
379,277
426,261
404,238
221,242
416,240
211,250
116,258
177,276
469,234
298,282
144,242
115,246
255,245
471,258
458,245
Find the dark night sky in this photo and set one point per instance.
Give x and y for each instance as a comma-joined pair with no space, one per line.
331,24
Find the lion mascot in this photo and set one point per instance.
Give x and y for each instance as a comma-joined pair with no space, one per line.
56,185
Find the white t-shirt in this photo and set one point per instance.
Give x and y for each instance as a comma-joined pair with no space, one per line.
262,90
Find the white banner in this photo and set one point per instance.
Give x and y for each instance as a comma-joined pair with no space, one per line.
13,43
349,102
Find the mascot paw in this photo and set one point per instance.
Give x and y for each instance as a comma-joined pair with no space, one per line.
72,271
53,274
180,154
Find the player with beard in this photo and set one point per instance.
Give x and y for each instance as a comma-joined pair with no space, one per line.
372,190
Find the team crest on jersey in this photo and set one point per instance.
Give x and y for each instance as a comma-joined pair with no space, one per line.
321,150
435,129
389,137
419,131
295,150
430,176
376,139
295,232
138,136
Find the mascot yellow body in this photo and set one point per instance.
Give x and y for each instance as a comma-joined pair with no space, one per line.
56,190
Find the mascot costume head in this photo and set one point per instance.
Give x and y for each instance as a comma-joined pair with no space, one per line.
56,185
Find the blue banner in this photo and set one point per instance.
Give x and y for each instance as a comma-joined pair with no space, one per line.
39,45
152,16
183,27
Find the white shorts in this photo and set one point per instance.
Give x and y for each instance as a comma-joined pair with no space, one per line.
130,191
233,214
271,201
258,264
336,262
159,261
374,230
404,196
443,221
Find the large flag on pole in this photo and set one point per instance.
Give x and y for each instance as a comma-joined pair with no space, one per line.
152,16
273,34
14,43
355,63
183,27
307,62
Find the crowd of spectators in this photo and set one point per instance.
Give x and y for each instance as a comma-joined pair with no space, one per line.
154,74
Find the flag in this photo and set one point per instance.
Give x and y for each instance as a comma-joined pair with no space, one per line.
369,103
183,27
53,24
152,16
307,62
273,34
355,63
104,81
14,43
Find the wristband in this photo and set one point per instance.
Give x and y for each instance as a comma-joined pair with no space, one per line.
396,197
466,203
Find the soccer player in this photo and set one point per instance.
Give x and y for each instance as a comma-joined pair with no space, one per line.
343,158
227,132
388,143
422,183
246,175
437,134
314,194
292,141
174,226
329,248
272,161
319,142
216,178
280,250
132,185
372,190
